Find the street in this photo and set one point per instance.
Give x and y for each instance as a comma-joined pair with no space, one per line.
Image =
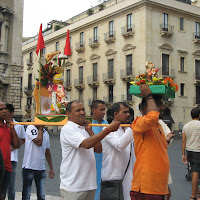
181,189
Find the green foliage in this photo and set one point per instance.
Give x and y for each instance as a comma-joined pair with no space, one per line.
57,27
101,6
90,11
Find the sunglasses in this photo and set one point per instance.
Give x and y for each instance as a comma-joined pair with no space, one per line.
3,109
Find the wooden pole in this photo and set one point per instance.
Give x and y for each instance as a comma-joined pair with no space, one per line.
40,82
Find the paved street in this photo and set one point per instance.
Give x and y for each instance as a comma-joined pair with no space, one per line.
181,188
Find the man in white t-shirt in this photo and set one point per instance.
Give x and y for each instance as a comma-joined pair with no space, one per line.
116,150
78,143
36,149
19,129
191,144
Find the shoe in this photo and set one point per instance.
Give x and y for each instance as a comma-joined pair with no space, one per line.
193,198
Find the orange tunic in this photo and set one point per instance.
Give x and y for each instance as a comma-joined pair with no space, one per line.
151,169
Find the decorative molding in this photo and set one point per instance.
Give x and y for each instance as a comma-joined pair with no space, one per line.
80,60
94,57
182,52
128,47
110,52
196,53
68,64
166,46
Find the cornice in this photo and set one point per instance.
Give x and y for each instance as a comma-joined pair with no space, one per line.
110,52
94,57
196,53
80,60
182,52
128,47
166,46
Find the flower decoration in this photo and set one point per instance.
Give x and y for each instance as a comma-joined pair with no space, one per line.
150,77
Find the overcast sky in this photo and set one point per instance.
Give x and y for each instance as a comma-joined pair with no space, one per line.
43,11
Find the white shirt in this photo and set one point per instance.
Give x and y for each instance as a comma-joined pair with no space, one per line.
34,155
19,129
116,154
192,132
78,165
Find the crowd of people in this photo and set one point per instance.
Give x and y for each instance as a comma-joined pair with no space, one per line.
98,160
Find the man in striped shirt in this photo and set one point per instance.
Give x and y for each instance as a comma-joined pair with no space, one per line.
191,143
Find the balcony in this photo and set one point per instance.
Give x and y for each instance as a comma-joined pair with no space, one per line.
129,99
93,81
68,85
196,101
94,42
170,74
109,78
196,37
166,30
27,108
29,62
29,89
80,47
196,78
127,75
79,83
109,99
128,30
90,100
109,37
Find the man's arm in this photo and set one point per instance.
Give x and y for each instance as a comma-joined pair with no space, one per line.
15,140
95,139
49,161
38,141
184,157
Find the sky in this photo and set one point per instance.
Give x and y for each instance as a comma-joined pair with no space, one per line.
44,11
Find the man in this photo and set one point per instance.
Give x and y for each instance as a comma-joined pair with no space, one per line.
151,169
98,109
191,143
116,150
36,149
19,129
8,137
78,143
1,172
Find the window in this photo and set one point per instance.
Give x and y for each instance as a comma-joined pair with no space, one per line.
29,102
30,82
111,28
165,22
96,34
95,93
68,77
182,64
129,65
94,72
70,41
110,69
165,64
81,75
197,69
21,83
129,96
182,86
110,93
197,94
129,22
31,57
181,24
57,46
197,30
43,51
0,32
81,39
81,96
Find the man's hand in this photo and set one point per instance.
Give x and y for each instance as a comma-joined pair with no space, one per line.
51,173
144,88
10,124
88,128
184,159
113,126
169,136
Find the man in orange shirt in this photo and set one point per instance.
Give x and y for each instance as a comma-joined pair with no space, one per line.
151,170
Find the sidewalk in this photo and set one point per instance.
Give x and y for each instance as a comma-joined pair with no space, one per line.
18,196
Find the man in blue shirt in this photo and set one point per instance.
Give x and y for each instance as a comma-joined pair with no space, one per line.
98,109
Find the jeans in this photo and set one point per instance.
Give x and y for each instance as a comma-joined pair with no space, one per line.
11,184
1,172
39,176
6,179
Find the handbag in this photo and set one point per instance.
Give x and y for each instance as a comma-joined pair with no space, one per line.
113,190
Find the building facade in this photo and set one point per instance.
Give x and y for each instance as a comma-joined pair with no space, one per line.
11,68
111,46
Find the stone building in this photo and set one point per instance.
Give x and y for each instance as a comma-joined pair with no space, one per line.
11,21
111,44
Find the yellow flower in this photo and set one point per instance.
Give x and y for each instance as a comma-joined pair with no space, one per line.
132,82
155,79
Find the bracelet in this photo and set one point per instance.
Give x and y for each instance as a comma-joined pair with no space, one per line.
148,95
107,130
150,98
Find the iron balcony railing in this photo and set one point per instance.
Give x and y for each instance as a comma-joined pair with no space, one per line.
165,28
92,79
128,29
94,40
109,35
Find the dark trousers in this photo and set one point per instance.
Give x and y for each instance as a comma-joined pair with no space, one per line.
142,196
6,180
1,172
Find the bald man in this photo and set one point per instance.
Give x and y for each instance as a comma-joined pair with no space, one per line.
8,137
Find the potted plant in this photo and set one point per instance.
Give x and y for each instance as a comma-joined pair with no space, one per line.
101,6
90,11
